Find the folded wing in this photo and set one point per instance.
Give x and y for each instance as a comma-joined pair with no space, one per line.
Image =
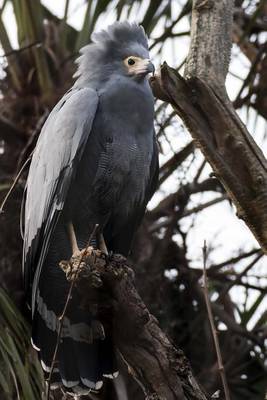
57,153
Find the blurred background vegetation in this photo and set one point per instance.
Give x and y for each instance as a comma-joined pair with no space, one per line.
39,43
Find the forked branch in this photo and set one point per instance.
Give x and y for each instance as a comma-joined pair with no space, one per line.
201,101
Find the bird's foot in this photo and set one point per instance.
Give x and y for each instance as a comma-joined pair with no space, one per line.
95,258
85,265
75,265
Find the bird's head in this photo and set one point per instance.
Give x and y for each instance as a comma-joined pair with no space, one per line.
138,66
120,51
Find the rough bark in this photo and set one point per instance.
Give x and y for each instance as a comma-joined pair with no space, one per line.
210,45
162,371
201,101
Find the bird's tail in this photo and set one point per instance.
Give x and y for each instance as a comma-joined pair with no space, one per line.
85,353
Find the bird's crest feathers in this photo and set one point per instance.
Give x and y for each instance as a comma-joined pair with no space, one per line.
118,41
122,33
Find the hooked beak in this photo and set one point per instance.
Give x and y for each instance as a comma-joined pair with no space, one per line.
150,67
142,67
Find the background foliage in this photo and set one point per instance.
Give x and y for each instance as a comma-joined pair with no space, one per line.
190,204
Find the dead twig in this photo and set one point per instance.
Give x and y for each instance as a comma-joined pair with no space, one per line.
234,260
14,184
15,51
239,277
203,206
212,325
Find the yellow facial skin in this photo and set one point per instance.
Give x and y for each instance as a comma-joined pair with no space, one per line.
136,65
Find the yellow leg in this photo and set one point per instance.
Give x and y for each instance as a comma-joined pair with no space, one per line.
73,241
101,243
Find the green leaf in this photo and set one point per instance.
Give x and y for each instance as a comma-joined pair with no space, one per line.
12,59
29,18
20,368
20,371
4,384
84,34
149,15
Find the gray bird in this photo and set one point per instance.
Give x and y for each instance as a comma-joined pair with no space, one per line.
96,162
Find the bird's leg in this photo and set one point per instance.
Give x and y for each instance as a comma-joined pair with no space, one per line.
82,262
101,243
73,266
73,240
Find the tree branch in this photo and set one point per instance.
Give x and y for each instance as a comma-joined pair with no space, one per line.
202,103
176,160
210,48
162,371
213,327
10,133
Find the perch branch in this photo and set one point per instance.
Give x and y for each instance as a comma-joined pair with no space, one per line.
162,371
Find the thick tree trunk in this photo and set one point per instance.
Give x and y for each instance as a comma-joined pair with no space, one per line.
201,101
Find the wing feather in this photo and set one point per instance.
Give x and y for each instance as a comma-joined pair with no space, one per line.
53,166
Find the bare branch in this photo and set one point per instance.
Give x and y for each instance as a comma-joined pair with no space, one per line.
16,51
167,169
202,103
162,371
181,197
13,185
10,133
239,277
203,206
234,260
212,325
219,133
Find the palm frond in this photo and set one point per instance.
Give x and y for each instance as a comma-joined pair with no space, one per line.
20,373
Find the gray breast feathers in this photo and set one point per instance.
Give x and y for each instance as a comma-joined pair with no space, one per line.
122,175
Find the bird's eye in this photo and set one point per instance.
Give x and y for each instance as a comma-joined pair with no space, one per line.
131,61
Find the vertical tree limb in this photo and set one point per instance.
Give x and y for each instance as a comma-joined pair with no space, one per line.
210,46
201,101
